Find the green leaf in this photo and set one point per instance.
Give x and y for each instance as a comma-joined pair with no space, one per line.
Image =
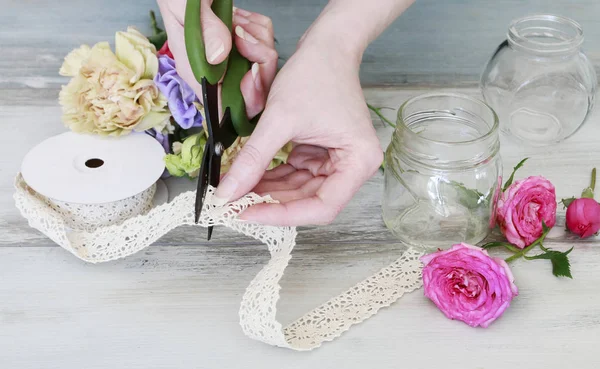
567,202
468,197
158,40
380,115
512,175
561,267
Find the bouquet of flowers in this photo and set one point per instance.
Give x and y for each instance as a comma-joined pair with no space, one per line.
137,88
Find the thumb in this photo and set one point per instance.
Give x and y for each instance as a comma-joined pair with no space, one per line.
253,159
217,37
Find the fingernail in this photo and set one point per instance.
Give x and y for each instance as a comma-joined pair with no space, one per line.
225,190
214,50
257,82
240,20
245,35
239,11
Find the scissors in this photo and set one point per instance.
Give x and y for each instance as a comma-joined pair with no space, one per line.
235,123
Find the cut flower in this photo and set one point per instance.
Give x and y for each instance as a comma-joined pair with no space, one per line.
113,93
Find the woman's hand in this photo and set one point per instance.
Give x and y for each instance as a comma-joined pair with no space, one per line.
253,36
316,101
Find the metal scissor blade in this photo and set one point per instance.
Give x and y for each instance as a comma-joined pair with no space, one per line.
210,95
214,176
203,178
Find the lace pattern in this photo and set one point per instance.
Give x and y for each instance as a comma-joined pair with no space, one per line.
91,217
258,310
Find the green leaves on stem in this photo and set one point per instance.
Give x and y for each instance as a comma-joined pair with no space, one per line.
561,267
512,175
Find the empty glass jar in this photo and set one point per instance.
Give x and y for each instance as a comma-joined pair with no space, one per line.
539,81
442,171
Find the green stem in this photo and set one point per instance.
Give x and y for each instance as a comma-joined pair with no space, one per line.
154,24
506,245
593,184
522,253
381,116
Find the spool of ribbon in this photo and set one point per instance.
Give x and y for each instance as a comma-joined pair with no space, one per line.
94,181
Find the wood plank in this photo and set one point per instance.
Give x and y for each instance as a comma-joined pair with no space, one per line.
433,43
177,307
567,165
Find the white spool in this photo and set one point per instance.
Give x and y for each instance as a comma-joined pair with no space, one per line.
94,181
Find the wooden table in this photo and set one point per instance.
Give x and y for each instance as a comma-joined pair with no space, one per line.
175,304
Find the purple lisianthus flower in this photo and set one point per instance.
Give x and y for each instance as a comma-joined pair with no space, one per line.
162,138
180,95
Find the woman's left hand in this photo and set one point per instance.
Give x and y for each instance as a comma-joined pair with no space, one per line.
253,37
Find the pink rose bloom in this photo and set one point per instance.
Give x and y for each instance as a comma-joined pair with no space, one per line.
583,217
523,207
467,284
495,202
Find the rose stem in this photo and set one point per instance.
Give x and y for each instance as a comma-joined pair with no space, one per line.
525,250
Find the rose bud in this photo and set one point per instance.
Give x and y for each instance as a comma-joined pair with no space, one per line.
583,217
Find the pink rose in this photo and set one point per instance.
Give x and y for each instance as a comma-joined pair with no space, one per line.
467,284
583,217
523,207
495,202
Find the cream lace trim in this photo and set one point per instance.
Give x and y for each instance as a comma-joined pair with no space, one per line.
258,309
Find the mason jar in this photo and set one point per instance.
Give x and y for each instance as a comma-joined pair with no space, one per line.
539,81
442,171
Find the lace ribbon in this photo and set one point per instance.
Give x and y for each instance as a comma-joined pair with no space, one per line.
258,308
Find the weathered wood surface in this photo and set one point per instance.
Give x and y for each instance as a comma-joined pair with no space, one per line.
433,43
174,305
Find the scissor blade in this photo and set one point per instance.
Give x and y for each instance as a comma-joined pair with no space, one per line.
210,95
203,178
214,176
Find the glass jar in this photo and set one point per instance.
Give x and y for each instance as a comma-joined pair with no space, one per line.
442,171
539,81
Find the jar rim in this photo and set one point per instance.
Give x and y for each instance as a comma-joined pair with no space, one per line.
413,135
546,23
